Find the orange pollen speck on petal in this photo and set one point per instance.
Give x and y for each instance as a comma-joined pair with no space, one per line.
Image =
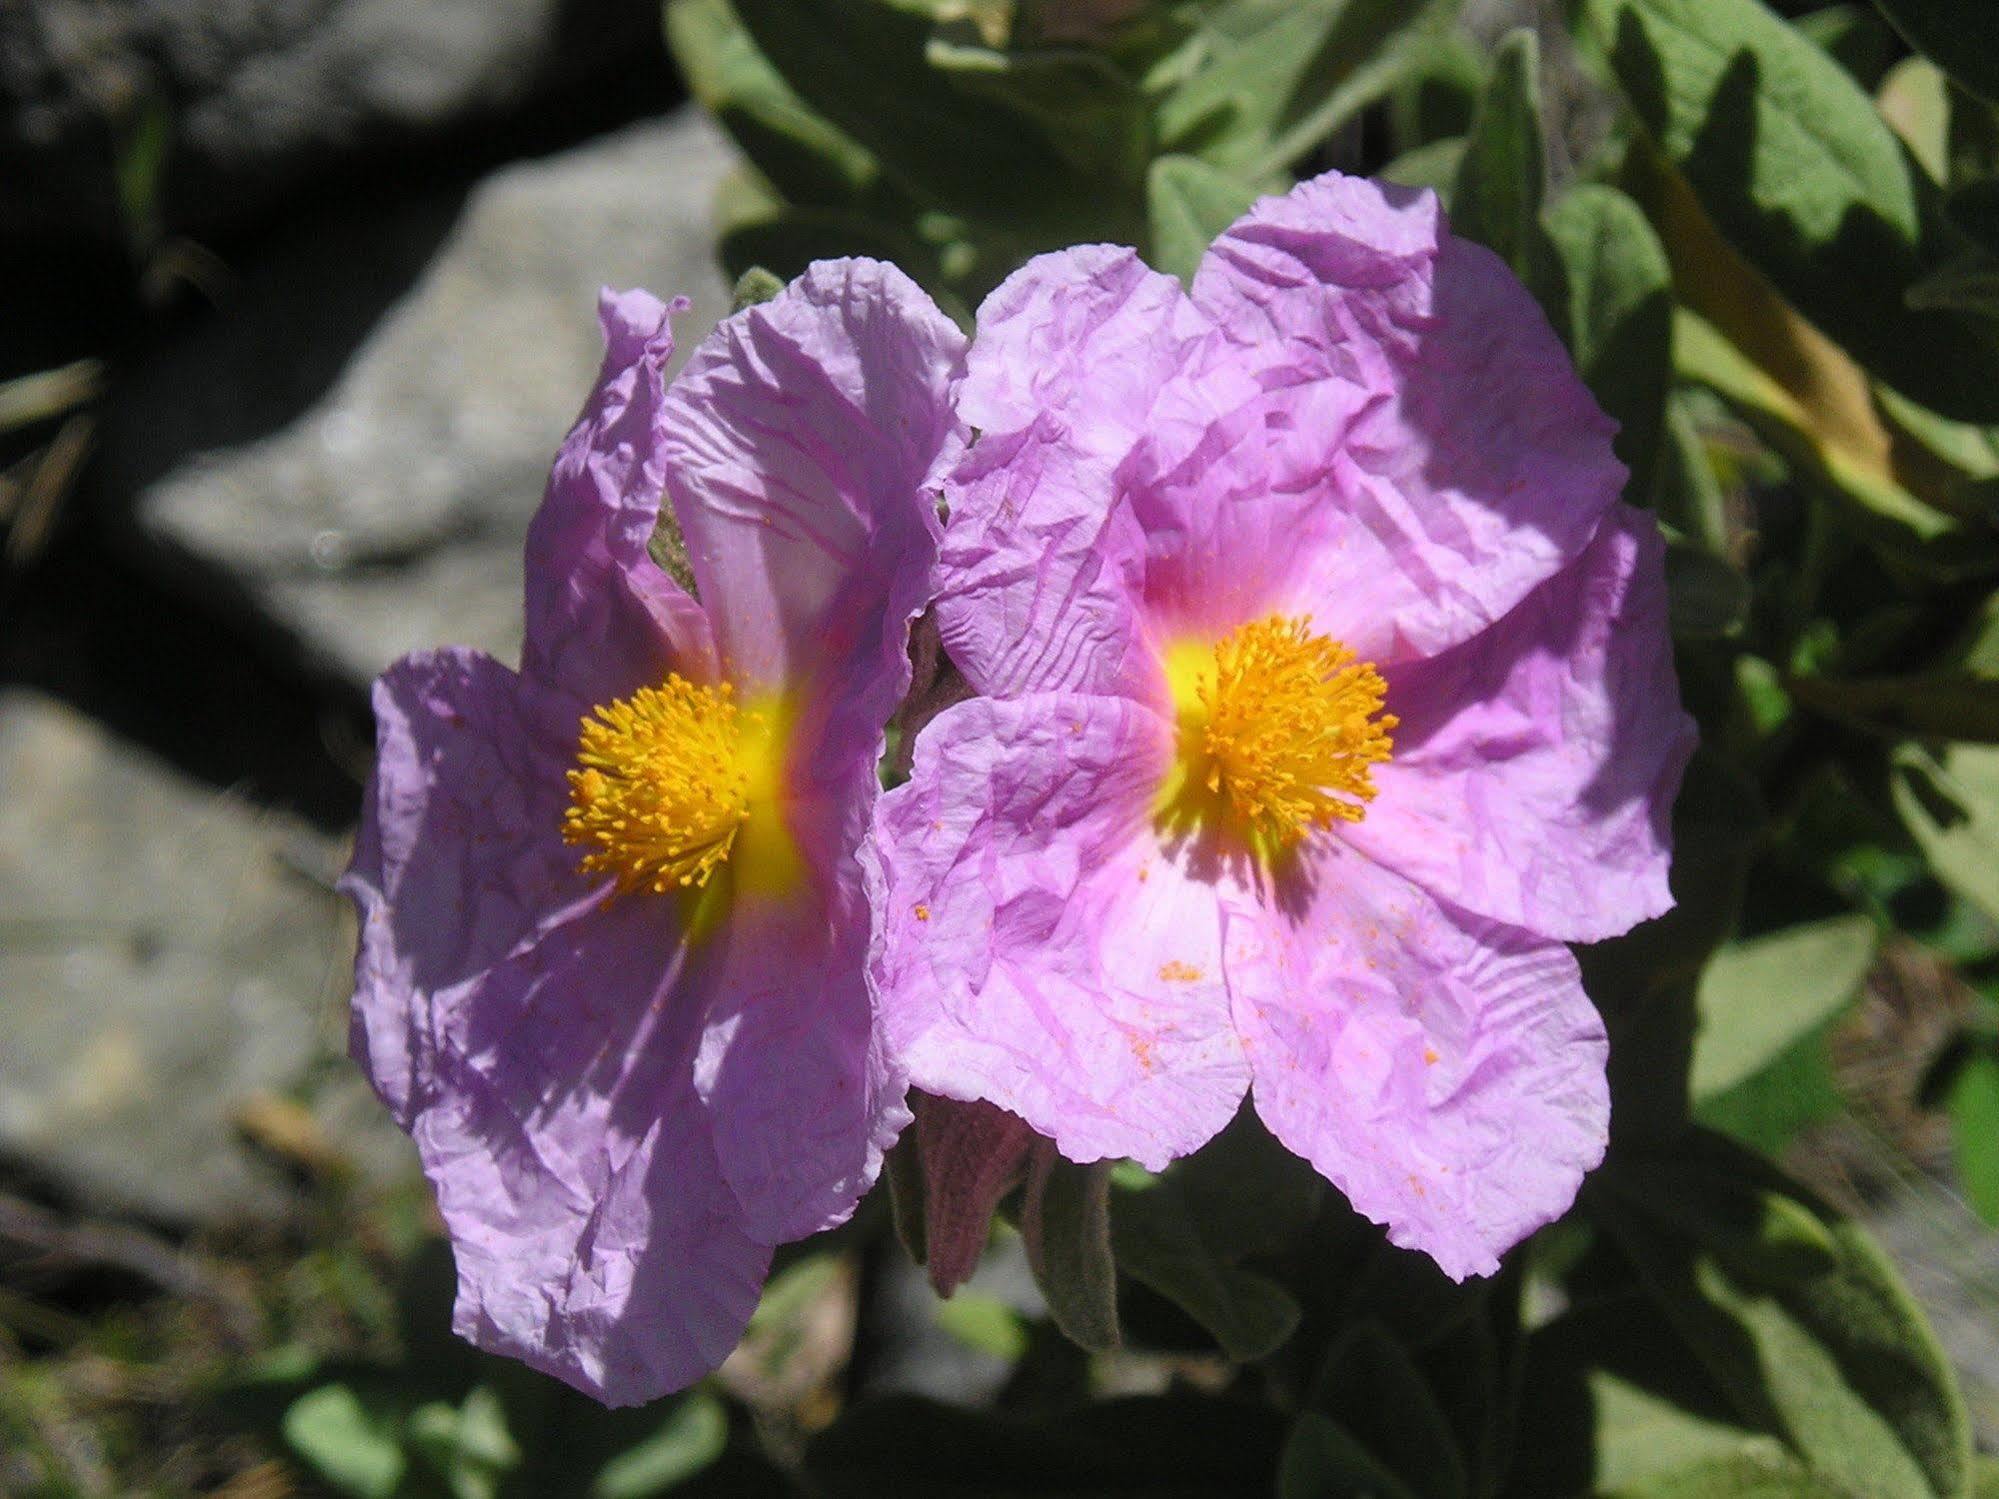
663,785
1282,726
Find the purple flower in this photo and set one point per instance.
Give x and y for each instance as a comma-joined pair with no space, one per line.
610,973
1329,695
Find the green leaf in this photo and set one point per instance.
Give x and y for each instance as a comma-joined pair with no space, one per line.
1434,166
1856,38
1959,36
1612,1400
468,1444
1160,1245
1166,1447
1282,75
1496,199
1322,1461
1066,1224
1689,496
1838,1361
1767,1110
1873,504
1619,317
354,1444
1645,982
1757,998
1188,203
807,158
1926,705
985,1323
689,1441
1090,113
1973,1101
1370,1386
1740,1477
1951,808
944,130
1799,173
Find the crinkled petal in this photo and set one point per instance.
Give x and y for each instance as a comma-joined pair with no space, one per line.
595,1235
1535,765
602,618
804,1093
799,450
459,858
537,1045
1073,354
1443,1071
1479,467
1035,946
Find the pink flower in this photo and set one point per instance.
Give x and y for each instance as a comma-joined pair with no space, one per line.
1329,695
610,974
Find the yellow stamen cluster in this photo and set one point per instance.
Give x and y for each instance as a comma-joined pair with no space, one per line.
662,785
1284,726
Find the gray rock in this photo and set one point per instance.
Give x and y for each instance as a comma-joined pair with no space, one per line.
245,95
167,954
357,446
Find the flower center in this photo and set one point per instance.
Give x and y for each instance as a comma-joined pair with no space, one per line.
1280,726
665,780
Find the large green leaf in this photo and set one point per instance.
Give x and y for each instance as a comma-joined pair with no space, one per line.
1159,1243
1872,503
689,1441
1370,1386
1951,807
1611,1400
1322,1460
1279,76
350,1437
1923,705
1797,170
1806,1330
1757,998
1189,203
1739,1477
1618,299
1066,1223
951,125
807,158
1973,1101
1959,36
1496,199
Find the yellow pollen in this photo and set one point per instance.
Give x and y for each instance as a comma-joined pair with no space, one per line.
664,781
1282,726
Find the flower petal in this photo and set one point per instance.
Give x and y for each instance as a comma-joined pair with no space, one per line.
602,618
804,1094
524,1033
1535,765
459,859
1034,946
1480,467
800,442
1445,1072
596,1238
1073,354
